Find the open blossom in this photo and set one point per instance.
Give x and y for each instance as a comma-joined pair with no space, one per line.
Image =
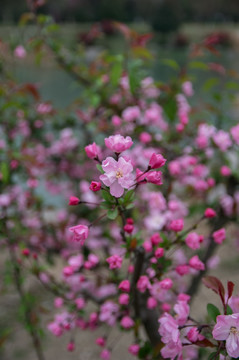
118,143
168,329
219,236
196,263
193,240
114,261
124,286
222,140
143,283
80,232
227,328
118,175
182,310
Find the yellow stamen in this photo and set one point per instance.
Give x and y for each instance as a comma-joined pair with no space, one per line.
119,173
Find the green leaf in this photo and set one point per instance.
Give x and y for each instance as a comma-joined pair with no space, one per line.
116,73
210,83
108,198
112,214
212,311
5,172
105,205
171,63
229,310
99,167
198,65
213,356
129,196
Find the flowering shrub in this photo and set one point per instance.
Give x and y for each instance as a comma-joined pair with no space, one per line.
133,191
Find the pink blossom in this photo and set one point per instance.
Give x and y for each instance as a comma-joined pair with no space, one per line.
147,245
58,302
76,262
166,284
187,88
156,161
71,346
159,252
234,303
124,299
219,236
182,269
210,213
227,328
20,52
145,137
109,312
184,297
134,349
124,286
74,200
151,303
131,113
193,240
80,303
126,322
155,239
116,120
115,261
177,225
168,329
222,140
143,283
193,335
225,171
95,186
171,350
182,309
92,151
196,263
154,177
80,232
118,143
129,228
105,354
235,133
100,341
117,175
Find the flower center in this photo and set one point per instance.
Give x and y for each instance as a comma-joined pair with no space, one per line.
234,330
119,173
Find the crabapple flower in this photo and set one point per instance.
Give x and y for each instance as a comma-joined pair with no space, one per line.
227,328
20,52
166,284
182,310
118,143
193,241
210,213
126,322
196,263
177,225
95,186
124,299
143,283
154,177
134,349
219,236
92,151
156,161
80,232
124,286
168,329
114,261
105,354
117,175
74,200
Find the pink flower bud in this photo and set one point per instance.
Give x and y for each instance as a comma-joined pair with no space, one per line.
184,297
134,349
155,239
143,283
147,245
68,271
166,307
209,213
74,200
151,303
92,151
154,177
131,269
166,284
182,269
156,161
95,186
159,252
219,236
100,341
145,137
225,171
25,252
124,286
124,299
80,303
105,354
58,302
177,225
129,228
126,322
71,346
193,240
196,263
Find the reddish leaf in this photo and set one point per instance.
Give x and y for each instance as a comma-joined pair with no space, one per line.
31,89
230,287
215,284
204,343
